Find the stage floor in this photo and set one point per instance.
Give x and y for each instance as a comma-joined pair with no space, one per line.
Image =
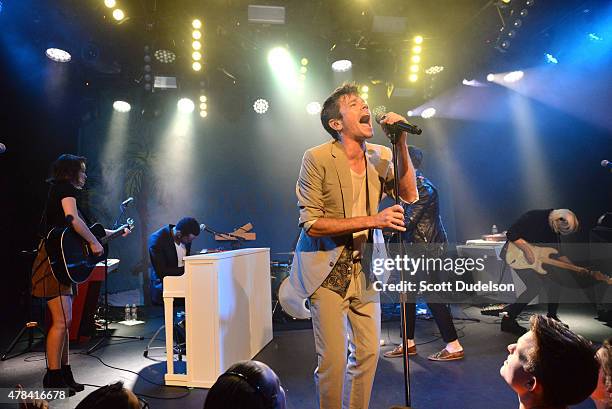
473,383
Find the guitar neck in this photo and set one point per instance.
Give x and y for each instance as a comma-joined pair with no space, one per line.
113,235
562,264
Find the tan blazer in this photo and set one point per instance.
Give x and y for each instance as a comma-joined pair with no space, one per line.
324,189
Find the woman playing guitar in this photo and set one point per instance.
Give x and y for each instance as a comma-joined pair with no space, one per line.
67,180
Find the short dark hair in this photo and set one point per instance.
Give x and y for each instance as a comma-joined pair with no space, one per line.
110,396
240,387
416,156
562,361
188,225
331,108
66,168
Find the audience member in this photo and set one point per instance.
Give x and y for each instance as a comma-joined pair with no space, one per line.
113,396
550,367
247,385
602,395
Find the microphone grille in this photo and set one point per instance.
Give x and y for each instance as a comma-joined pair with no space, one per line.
605,163
380,116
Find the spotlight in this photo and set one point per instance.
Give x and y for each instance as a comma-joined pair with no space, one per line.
196,66
303,69
529,3
524,13
413,77
409,113
58,55
428,112
110,3
313,108
304,61
196,34
197,24
260,106
203,106
416,59
185,105
196,55
414,68
121,106
118,14
551,58
203,114
517,23
594,37
417,49
490,77
511,33
418,39
434,70
341,65
203,98
513,76
504,45
365,88
196,45
165,56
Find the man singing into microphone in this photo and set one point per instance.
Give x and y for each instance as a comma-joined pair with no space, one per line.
339,189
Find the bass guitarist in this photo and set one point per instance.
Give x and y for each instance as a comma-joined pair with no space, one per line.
544,227
67,181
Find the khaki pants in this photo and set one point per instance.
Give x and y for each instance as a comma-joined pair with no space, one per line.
333,317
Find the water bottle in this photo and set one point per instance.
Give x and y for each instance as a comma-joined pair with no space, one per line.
134,313
494,229
128,313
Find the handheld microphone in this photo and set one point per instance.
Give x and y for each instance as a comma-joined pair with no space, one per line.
606,164
403,125
127,201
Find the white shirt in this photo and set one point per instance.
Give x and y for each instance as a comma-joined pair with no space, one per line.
181,252
359,209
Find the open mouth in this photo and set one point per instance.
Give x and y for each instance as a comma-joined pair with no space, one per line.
365,119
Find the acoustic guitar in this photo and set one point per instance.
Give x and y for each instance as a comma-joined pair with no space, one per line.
69,254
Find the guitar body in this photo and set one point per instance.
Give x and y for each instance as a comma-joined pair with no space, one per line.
516,259
69,254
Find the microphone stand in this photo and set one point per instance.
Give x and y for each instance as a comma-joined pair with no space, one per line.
214,232
106,335
393,137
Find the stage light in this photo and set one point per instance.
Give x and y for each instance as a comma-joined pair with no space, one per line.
513,76
365,88
415,59
413,77
511,33
524,13
428,112
414,68
203,106
313,108
490,77
504,45
203,114
551,58
341,65
261,106
417,49
185,105
409,113
196,55
434,70
517,23
196,66
530,3
418,39
121,106
594,37
196,45
506,1
58,55
197,24
110,3
164,56
304,61
118,14
196,34
203,98
303,70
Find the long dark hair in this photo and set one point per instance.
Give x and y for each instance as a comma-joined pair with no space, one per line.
110,396
66,168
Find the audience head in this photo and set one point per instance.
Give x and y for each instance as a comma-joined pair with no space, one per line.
187,229
603,392
550,365
246,385
110,396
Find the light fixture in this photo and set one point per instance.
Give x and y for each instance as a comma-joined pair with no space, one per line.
110,3
428,112
203,114
196,45
197,24
58,55
551,59
261,106
313,108
414,68
513,76
413,77
203,98
409,113
165,56
415,59
121,106
185,105
490,77
196,66
434,70
341,65
365,88
197,34
417,49
118,14
418,39
196,55
304,61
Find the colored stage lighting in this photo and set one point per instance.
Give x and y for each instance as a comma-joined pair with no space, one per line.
185,105
58,55
121,106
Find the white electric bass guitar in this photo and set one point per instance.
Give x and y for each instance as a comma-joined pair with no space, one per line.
516,259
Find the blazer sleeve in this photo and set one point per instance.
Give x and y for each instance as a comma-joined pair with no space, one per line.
309,192
158,252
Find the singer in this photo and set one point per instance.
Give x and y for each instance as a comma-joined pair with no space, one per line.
67,181
339,188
